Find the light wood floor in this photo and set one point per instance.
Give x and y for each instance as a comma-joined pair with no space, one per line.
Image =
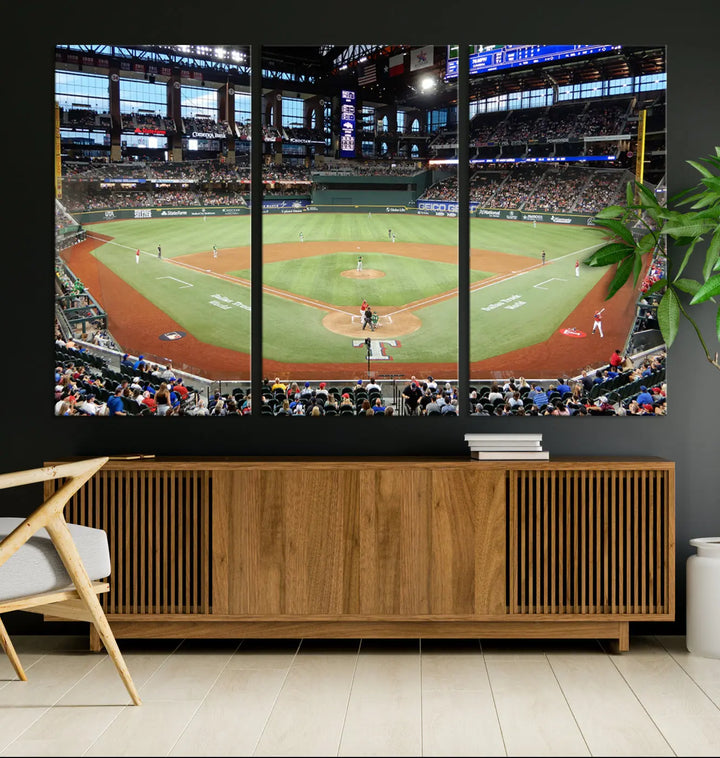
361,698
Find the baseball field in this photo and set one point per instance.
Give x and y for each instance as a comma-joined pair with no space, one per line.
192,306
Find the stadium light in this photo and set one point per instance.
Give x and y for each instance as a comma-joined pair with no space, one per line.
427,83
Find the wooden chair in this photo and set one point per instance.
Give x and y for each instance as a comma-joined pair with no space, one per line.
33,579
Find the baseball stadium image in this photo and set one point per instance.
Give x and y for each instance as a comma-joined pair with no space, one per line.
360,217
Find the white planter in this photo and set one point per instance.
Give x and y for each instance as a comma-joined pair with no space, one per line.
703,598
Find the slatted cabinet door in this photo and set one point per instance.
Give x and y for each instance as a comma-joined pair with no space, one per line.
591,542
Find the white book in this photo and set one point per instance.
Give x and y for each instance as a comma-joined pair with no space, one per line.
507,446
507,437
516,455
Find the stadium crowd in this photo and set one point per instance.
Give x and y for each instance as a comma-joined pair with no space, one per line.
559,189
86,385
562,121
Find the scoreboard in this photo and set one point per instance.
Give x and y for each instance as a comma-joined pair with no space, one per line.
485,59
347,124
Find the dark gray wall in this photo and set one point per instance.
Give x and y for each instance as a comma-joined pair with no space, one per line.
689,435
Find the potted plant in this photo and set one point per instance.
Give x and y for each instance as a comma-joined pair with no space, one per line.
640,228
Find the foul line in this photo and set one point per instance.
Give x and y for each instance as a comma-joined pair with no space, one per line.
489,282
187,284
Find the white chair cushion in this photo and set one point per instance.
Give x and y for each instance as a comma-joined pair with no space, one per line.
36,567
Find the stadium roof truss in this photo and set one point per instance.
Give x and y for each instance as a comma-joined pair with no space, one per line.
223,59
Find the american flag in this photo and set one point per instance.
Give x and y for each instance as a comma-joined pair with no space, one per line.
366,74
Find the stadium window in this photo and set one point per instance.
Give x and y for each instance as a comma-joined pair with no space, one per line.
591,89
137,94
540,98
92,89
292,110
368,147
401,121
569,92
438,119
620,86
368,118
242,107
651,82
514,101
194,100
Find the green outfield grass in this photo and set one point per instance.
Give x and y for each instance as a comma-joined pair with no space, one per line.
527,309
215,310
321,278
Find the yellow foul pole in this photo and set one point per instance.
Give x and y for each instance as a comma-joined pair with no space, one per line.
58,161
640,153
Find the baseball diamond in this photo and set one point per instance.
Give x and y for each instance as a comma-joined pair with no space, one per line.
518,305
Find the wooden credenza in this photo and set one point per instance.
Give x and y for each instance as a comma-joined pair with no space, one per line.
384,547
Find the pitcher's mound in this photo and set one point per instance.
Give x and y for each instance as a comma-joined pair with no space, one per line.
366,273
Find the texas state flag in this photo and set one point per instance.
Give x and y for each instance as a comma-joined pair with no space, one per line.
397,65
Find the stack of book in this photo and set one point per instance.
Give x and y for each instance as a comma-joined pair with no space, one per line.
506,447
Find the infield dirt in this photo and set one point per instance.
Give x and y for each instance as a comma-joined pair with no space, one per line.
136,323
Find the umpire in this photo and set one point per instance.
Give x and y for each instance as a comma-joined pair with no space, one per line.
367,319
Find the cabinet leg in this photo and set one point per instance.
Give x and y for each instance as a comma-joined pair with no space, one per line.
622,643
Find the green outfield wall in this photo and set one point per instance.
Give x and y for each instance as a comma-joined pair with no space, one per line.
369,202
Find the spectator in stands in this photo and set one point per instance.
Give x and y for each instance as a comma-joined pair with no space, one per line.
616,359
148,401
587,380
411,396
180,389
515,401
563,386
162,400
644,397
538,396
65,408
284,408
558,408
115,404
495,393
450,406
